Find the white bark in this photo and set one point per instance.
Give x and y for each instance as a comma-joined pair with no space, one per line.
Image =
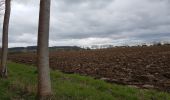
44,82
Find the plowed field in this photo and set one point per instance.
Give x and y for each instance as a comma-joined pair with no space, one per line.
145,67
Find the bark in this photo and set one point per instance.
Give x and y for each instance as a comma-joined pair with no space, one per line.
4,54
44,82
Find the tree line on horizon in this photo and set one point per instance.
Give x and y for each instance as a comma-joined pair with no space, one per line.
44,91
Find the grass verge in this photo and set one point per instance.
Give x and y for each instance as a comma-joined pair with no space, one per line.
22,85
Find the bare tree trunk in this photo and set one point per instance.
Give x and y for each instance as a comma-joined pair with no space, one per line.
3,67
44,82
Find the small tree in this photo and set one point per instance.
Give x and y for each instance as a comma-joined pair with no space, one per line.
44,82
3,67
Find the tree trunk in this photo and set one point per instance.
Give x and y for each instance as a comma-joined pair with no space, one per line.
3,67
44,82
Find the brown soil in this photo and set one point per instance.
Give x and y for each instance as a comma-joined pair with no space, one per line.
145,67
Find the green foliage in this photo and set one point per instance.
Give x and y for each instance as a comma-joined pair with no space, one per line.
22,84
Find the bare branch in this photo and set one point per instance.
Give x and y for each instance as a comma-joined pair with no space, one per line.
2,2
2,6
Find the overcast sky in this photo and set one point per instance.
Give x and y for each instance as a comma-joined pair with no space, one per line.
91,22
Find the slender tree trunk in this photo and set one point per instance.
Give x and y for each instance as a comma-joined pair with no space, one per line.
3,67
44,82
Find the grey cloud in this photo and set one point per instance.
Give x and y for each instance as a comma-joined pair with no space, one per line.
73,21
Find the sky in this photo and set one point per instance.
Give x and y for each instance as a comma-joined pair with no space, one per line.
91,22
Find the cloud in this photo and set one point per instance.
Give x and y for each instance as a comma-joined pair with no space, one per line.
88,22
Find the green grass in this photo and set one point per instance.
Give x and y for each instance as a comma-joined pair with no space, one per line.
22,85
